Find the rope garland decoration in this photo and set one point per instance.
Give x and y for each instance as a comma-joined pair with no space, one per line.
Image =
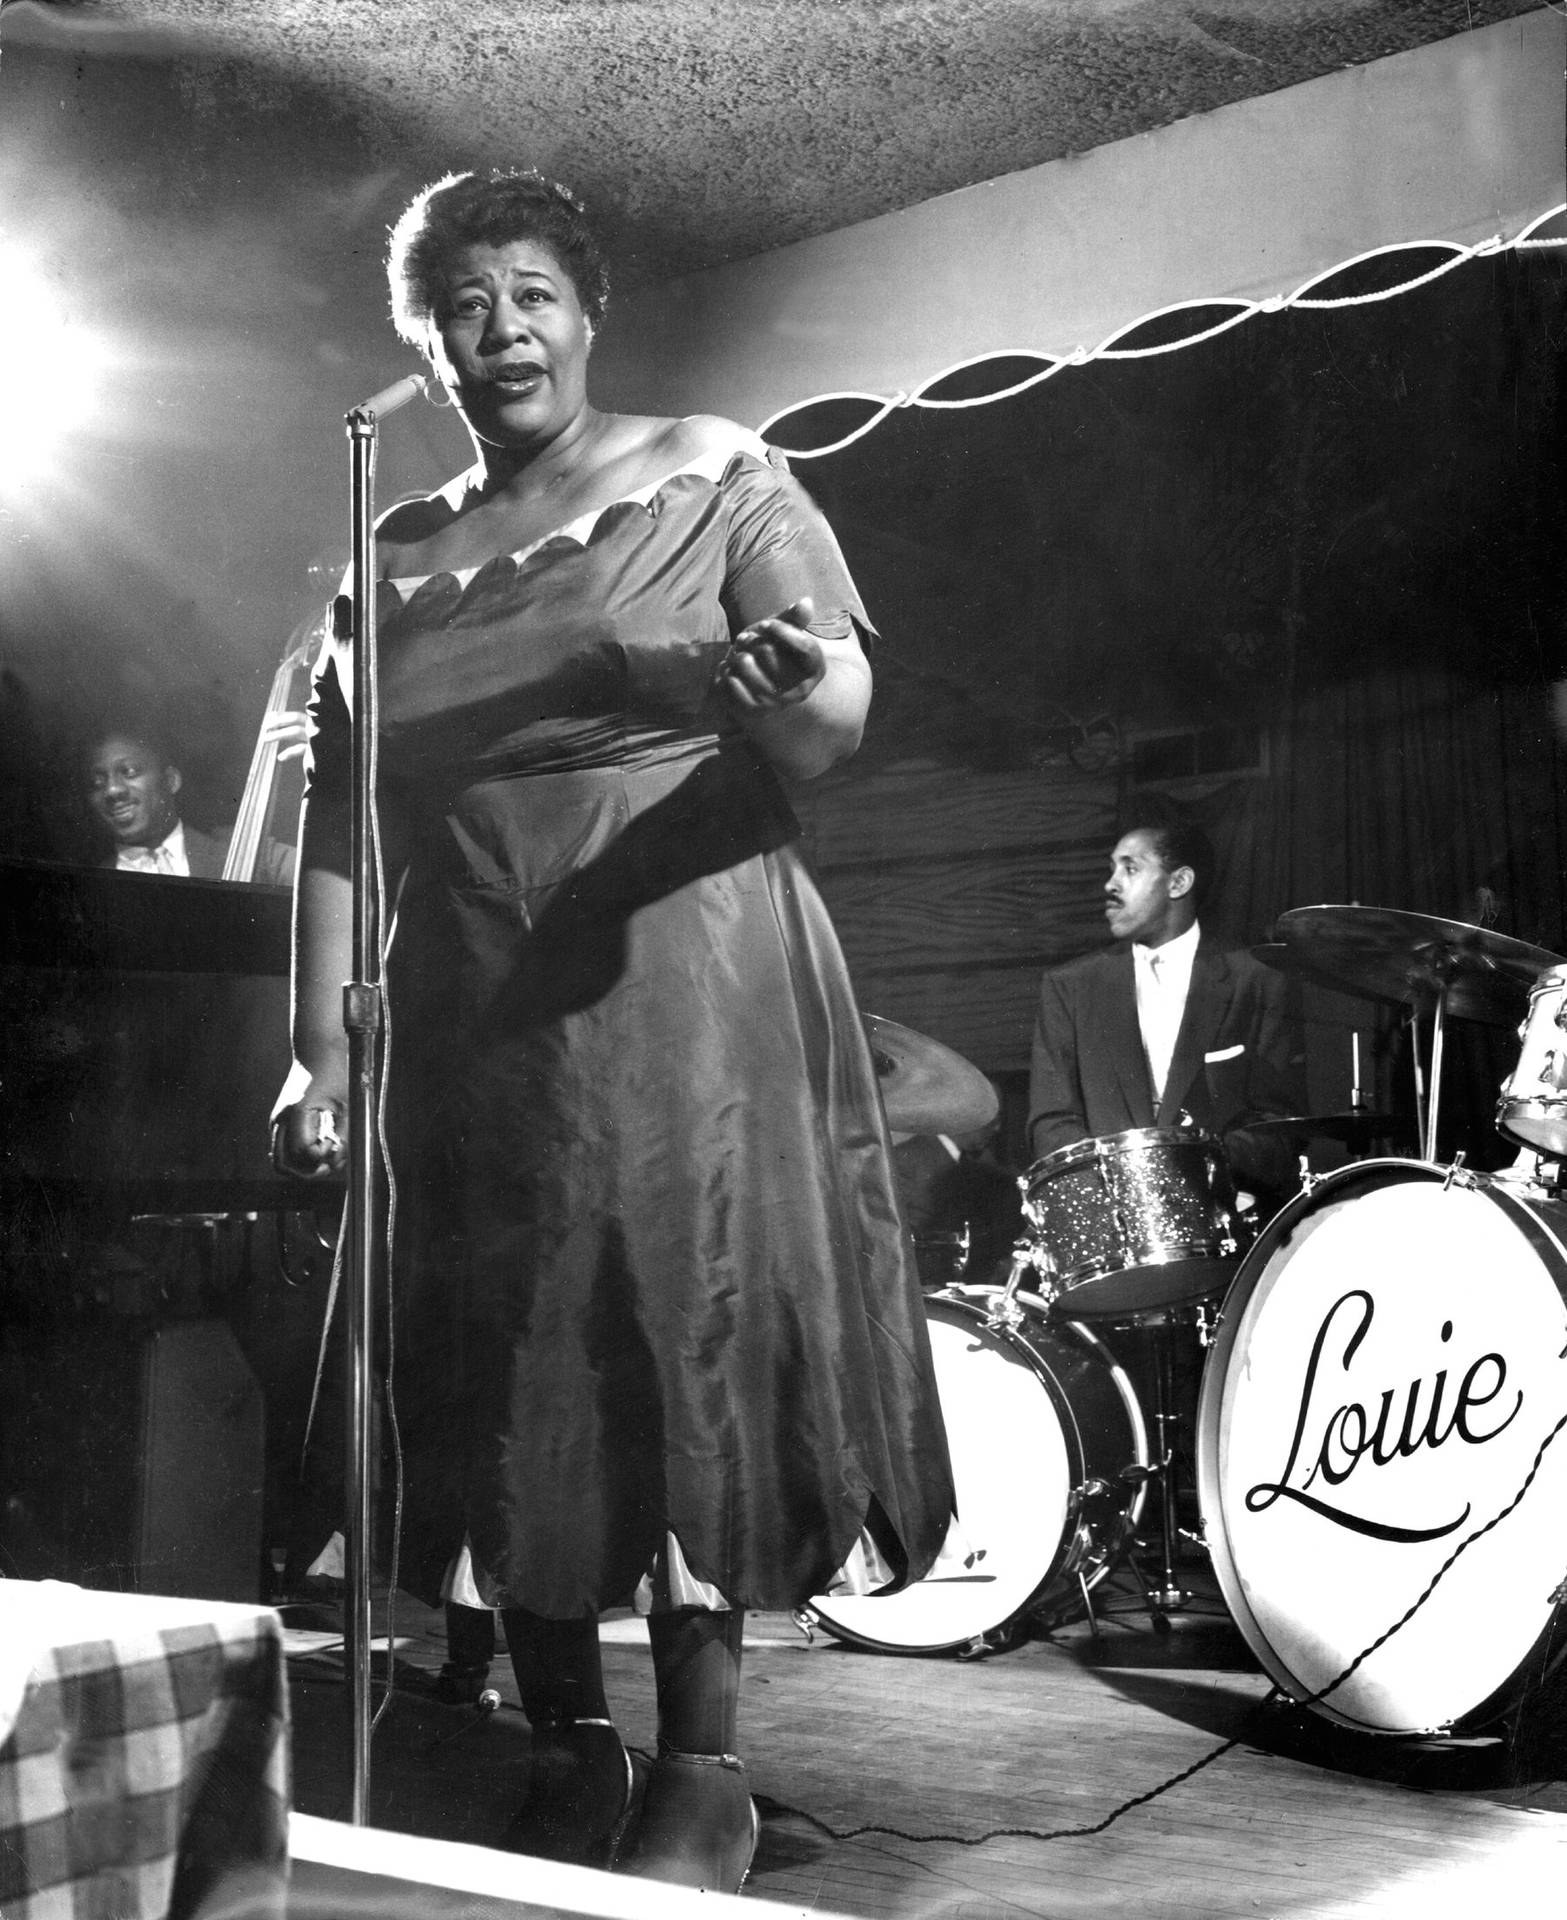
1113,346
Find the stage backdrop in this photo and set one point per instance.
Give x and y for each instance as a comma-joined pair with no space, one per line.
1302,582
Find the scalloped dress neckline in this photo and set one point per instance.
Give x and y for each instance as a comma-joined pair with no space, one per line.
711,464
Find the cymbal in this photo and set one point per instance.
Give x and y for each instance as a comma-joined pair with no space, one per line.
925,1086
1415,958
1354,1128
1349,1007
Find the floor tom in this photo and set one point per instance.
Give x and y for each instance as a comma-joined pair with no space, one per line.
1041,1422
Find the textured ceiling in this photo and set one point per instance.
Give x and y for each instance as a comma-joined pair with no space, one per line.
707,130
204,187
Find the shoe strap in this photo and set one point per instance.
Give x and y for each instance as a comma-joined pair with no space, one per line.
730,1760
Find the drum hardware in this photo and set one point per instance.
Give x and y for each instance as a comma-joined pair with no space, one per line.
1458,1175
1166,1595
1009,1307
1445,968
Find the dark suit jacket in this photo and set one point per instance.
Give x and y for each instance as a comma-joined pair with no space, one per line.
206,852
1236,1058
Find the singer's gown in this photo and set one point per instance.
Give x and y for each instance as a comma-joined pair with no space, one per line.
651,1278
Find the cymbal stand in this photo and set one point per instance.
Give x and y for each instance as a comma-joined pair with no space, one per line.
1170,1594
1008,1309
1163,1594
1434,1088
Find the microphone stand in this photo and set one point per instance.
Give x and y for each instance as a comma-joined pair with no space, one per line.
362,1021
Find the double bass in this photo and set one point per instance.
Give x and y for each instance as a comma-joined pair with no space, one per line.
144,1020
252,824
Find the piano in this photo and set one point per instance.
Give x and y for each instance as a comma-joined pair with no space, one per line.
143,1038
161,1287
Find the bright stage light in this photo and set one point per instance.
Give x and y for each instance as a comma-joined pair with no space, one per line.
51,368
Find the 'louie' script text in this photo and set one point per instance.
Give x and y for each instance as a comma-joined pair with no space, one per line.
1331,1443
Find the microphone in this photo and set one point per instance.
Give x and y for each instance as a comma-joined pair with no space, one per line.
389,399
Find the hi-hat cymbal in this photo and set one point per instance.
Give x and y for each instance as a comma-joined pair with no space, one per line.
925,1086
1415,958
1354,1128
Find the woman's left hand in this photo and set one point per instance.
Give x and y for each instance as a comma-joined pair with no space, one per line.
774,663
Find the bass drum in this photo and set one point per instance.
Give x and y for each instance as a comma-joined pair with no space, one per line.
1041,1424
1389,1372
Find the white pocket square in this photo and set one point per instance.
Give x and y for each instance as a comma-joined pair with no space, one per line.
1223,1053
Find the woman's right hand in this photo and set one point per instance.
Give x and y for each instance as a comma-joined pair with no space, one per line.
310,1135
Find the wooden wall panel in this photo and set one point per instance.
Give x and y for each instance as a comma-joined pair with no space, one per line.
952,891
987,1014
945,811
985,910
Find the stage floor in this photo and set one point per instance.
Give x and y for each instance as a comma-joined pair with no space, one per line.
1142,1772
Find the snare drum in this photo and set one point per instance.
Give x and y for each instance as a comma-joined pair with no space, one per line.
1042,1426
1134,1221
1533,1104
1374,1442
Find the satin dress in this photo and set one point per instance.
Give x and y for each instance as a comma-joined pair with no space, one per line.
654,1301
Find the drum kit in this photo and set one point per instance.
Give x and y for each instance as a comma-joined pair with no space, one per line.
1383,1374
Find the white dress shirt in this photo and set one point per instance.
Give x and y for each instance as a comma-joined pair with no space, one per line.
1163,976
168,856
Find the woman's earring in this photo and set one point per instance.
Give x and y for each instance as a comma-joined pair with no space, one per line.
439,387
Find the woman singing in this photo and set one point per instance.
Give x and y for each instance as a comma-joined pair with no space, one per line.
656,1330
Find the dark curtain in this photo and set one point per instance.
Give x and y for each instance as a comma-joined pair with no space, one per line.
1421,789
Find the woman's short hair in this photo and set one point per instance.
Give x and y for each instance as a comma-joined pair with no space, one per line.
489,209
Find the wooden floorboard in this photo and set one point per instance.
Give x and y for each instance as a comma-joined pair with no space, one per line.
934,1788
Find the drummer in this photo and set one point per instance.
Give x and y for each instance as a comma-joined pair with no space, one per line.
1166,1028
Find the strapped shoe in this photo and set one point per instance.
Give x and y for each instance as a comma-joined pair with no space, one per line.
699,1825
580,1789
458,1686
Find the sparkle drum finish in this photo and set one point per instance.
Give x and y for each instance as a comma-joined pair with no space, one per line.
1133,1221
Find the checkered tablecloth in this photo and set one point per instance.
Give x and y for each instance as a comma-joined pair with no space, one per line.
143,1757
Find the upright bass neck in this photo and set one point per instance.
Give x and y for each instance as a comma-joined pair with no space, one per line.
255,807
